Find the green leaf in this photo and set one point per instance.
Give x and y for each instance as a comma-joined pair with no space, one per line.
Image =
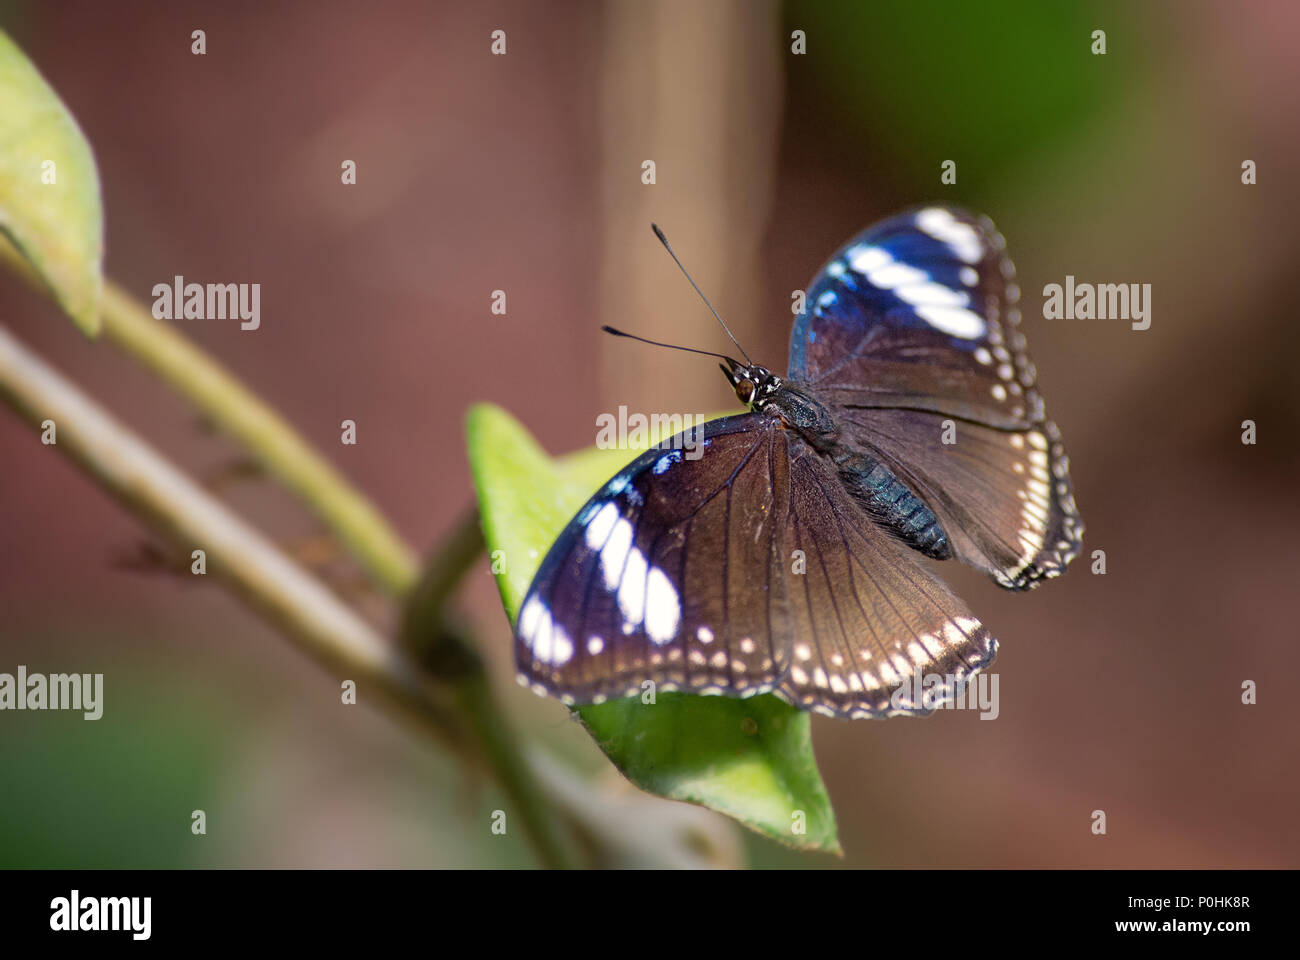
750,759
49,189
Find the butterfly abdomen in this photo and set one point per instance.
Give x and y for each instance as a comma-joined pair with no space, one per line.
892,504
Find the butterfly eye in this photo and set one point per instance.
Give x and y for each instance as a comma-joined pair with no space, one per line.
745,390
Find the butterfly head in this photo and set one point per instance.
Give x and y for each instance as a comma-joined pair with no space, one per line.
754,385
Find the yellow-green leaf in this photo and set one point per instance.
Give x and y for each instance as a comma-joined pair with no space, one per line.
49,189
749,759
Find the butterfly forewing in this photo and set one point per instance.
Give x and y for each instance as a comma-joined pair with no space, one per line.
916,312
669,574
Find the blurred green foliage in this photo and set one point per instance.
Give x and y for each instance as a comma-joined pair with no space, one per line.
112,792
267,756
979,83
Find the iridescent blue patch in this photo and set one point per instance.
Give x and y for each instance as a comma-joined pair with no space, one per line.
663,464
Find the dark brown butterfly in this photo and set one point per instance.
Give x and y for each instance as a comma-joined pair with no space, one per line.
783,553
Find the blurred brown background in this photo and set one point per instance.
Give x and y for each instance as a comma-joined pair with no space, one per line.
475,172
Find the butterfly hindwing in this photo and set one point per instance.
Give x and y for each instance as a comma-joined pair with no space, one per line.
867,616
1003,497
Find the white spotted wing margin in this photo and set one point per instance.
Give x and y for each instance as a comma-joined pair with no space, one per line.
683,572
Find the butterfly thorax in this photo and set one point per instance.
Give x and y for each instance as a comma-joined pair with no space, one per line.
878,490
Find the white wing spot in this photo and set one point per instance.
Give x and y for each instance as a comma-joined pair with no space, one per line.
864,258
663,610
600,525
552,645
614,553
528,617
924,292
955,321
893,274
962,238
631,592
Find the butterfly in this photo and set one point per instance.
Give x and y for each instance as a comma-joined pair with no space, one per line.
785,555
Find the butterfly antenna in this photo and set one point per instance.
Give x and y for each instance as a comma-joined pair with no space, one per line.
656,343
664,240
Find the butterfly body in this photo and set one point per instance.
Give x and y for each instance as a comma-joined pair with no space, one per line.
784,555
892,504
